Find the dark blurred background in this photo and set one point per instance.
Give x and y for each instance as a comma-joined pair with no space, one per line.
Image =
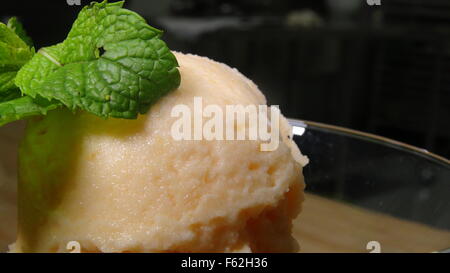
383,69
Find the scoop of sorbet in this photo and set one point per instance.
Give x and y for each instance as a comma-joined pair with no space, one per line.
127,186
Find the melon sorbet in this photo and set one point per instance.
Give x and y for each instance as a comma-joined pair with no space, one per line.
127,186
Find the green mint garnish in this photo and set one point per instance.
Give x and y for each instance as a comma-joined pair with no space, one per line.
17,27
24,107
14,53
112,64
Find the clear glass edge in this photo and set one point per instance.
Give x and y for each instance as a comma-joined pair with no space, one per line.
372,138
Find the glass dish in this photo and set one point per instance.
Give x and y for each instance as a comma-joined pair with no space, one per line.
369,193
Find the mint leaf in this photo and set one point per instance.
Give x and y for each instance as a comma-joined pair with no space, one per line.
23,107
15,25
14,53
112,64
7,81
16,50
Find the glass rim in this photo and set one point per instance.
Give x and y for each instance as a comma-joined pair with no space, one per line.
371,137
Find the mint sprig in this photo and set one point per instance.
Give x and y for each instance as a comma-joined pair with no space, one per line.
14,53
112,64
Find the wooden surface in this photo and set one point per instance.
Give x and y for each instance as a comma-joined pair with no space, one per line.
323,225
329,226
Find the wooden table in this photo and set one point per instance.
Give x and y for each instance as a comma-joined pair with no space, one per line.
323,226
330,226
